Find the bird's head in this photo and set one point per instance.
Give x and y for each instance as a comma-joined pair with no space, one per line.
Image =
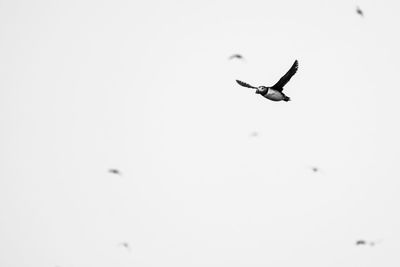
261,89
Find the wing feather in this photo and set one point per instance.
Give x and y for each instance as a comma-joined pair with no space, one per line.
286,78
245,84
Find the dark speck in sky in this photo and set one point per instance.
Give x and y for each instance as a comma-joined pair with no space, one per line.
237,56
360,12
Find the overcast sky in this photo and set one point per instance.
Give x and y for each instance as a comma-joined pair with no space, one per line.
146,87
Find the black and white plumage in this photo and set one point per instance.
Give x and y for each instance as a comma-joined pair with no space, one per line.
274,92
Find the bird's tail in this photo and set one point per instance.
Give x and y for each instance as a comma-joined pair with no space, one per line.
286,98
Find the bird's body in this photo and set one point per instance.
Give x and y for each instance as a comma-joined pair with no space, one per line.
275,95
274,92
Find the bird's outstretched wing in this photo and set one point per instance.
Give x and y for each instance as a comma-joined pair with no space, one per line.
245,84
285,78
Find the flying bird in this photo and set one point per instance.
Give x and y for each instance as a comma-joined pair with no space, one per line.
274,92
114,171
360,12
238,56
361,242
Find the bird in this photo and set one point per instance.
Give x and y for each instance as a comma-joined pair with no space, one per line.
359,11
238,56
114,171
274,92
360,242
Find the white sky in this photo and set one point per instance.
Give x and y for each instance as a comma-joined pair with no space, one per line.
146,87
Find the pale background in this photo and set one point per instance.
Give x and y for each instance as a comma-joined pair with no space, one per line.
147,87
